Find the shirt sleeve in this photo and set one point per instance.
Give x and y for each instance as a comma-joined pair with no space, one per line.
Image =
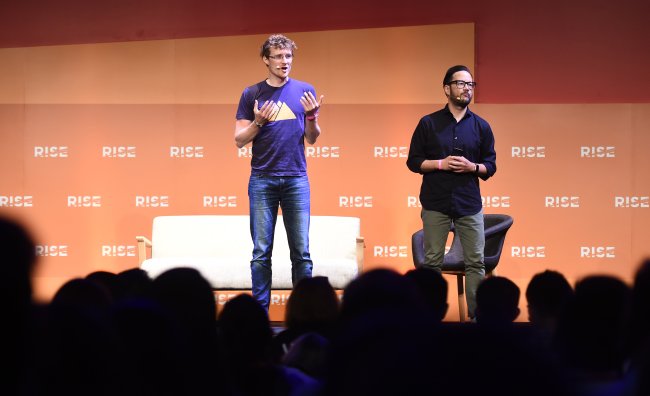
488,154
245,108
311,89
417,153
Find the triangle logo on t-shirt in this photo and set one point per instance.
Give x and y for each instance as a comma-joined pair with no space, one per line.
283,112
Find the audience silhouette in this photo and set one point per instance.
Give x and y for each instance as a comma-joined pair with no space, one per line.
590,335
109,281
638,342
380,290
127,334
433,288
246,358
548,295
185,295
17,263
497,301
313,307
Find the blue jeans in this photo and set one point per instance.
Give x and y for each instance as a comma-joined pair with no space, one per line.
266,194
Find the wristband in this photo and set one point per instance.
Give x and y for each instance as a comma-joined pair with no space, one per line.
312,117
476,170
258,124
439,164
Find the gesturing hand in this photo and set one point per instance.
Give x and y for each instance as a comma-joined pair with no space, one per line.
310,104
265,113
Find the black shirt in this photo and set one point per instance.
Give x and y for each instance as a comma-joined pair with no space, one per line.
435,137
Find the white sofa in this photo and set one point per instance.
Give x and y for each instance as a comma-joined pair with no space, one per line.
220,248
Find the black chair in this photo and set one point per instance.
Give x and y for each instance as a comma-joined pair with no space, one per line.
496,227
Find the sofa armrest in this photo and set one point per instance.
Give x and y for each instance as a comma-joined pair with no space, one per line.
361,244
143,244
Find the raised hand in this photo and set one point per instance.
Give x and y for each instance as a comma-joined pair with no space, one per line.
310,104
264,114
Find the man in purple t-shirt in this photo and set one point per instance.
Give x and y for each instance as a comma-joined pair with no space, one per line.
278,115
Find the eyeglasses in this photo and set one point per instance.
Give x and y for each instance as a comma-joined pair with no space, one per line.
461,84
281,56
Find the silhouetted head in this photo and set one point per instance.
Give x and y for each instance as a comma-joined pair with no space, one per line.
107,280
188,296
16,264
548,294
134,283
313,305
245,331
497,301
379,290
591,331
433,288
82,294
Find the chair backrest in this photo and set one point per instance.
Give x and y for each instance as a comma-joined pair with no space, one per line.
417,248
495,225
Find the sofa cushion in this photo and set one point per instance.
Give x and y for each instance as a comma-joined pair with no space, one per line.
234,273
220,247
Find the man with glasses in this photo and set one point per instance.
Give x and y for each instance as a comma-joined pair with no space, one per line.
278,115
452,148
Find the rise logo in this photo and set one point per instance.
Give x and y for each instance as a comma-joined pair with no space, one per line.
390,251
186,151
16,201
561,202
52,250
118,152
528,251
219,201
413,202
598,252
245,152
84,201
597,152
151,201
118,250
50,151
322,152
495,201
391,152
355,201
279,299
632,201
528,152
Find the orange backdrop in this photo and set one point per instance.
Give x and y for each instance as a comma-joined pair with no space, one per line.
97,139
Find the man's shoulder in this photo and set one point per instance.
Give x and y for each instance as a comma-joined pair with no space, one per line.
480,120
436,114
301,84
441,112
255,87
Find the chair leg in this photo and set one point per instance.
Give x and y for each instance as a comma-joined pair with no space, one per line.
461,297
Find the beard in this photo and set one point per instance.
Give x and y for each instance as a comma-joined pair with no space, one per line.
462,102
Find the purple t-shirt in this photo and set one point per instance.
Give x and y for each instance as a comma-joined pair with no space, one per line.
279,148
